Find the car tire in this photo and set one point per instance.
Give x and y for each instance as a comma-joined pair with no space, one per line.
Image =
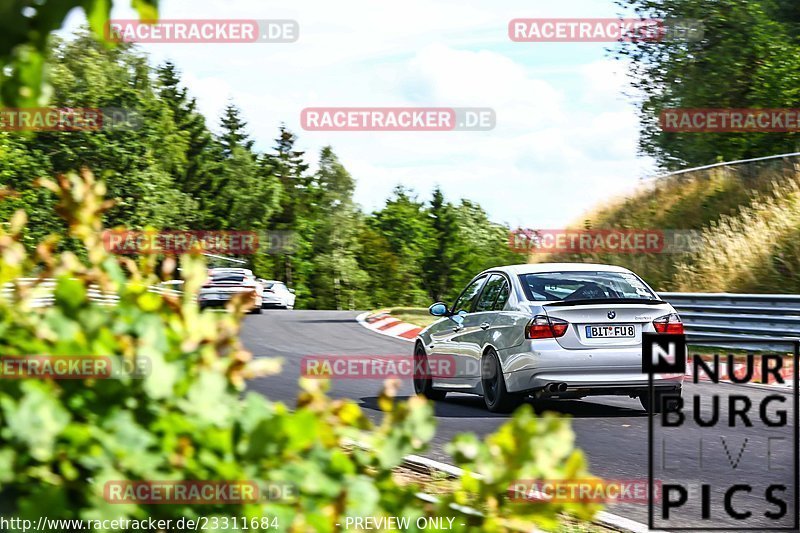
657,406
423,384
495,395
256,310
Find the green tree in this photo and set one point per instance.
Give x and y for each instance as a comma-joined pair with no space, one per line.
20,165
382,265
24,31
138,157
442,260
294,212
241,192
290,168
484,244
338,280
404,223
233,131
193,177
749,57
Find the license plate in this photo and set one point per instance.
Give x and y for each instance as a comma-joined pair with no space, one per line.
618,331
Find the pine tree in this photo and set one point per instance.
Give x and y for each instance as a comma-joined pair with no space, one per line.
233,131
295,211
195,177
437,272
290,169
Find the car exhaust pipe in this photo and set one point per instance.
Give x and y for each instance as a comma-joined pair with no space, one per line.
555,387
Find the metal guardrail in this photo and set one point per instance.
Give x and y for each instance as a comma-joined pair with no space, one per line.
722,164
43,292
711,319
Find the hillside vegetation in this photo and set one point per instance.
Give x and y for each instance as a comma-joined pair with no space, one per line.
748,216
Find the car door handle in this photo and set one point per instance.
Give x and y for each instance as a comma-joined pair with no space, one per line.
456,329
485,326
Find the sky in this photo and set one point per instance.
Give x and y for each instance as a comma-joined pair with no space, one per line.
566,132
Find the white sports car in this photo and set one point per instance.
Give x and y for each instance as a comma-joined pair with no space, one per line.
277,294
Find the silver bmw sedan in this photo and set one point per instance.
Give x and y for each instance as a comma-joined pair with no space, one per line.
547,330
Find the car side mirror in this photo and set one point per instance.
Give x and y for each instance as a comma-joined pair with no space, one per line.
291,290
438,309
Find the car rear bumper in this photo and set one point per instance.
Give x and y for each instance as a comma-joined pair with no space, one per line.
585,372
578,384
213,303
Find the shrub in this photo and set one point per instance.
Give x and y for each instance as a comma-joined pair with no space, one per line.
755,251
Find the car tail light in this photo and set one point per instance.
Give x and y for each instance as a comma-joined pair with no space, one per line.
670,323
544,327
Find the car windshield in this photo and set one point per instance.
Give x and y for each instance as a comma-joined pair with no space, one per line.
588,285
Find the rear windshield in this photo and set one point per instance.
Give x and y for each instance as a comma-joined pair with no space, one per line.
227,278
566,286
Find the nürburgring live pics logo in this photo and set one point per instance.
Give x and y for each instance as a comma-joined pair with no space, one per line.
725,460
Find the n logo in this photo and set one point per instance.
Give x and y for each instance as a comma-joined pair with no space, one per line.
663,353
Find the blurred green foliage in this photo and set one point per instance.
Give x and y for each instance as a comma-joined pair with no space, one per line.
188,418
25,27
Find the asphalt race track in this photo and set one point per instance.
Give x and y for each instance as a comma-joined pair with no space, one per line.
612,431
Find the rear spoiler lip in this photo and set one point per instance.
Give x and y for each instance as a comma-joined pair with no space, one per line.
602,301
